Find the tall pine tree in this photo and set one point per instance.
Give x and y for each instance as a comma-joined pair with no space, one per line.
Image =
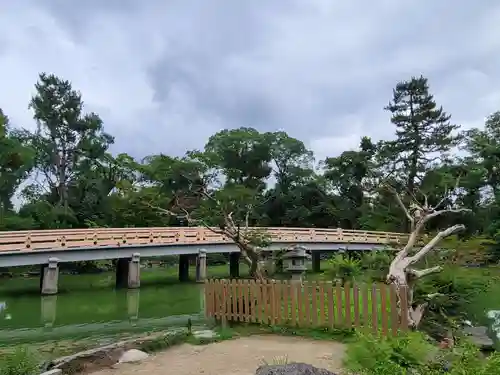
424,133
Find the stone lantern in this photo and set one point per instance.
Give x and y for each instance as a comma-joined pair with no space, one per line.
294,262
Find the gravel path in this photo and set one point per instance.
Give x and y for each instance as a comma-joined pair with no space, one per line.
235,357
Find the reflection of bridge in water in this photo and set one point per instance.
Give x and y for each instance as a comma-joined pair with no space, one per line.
49,330
128,245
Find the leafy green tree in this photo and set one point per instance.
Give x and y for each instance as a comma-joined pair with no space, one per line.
69,144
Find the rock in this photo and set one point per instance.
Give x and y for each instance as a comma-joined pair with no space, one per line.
53,372
292,369
133,355
479,337
204,334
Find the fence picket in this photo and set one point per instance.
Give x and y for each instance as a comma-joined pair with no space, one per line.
279,302
338,297
355,296
374,309
260,302
383,308
394,311
331,312
285,287
366,316
307,303
300,304
293,304
253,297
314,304
322,304
347,304
234,300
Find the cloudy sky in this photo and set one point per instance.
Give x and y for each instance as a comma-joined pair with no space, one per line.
166,74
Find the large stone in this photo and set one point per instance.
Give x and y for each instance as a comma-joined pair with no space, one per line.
205,334
56,371
292,369
479,337
133,355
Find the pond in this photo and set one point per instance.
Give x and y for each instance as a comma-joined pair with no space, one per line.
89,308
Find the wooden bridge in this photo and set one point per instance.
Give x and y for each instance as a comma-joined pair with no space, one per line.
128,245
67,239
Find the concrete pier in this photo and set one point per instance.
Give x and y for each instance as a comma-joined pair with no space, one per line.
234,265
316,261
134,272
201,266
50,277
184,267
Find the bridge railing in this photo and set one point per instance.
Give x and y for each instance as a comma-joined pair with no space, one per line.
71,238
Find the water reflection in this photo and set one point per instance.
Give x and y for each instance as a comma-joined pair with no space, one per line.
99,312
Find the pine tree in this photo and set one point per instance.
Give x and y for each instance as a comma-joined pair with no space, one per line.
424,133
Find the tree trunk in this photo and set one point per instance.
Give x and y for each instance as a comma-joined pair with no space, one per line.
251,257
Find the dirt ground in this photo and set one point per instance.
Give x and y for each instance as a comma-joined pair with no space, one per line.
235,357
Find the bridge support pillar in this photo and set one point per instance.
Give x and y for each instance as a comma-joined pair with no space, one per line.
134,272
234,265
201,266
184,267
49,277
316,261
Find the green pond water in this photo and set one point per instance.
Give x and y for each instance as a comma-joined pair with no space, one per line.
88,307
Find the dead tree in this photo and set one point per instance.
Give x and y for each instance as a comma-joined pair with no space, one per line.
401,272
248,240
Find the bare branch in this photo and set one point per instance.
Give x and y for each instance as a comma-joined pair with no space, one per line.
402,205
422,273
441,212
188,217
447,194
430,245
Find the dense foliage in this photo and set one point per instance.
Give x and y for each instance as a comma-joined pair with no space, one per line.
414,354
69,179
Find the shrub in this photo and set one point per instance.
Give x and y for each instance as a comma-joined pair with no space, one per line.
458,288
345,269
19,362
412,353
372,355
377,263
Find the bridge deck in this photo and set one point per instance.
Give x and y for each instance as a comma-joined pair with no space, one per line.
66,239
36,247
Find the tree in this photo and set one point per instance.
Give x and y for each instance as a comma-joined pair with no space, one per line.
349,176
424,133
68,143
484,149
242,155
15,165
401,272
291,160
227,211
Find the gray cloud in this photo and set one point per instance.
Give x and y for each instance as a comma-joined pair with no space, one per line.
166,75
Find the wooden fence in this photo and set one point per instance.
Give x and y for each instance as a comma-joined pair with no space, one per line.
312,304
